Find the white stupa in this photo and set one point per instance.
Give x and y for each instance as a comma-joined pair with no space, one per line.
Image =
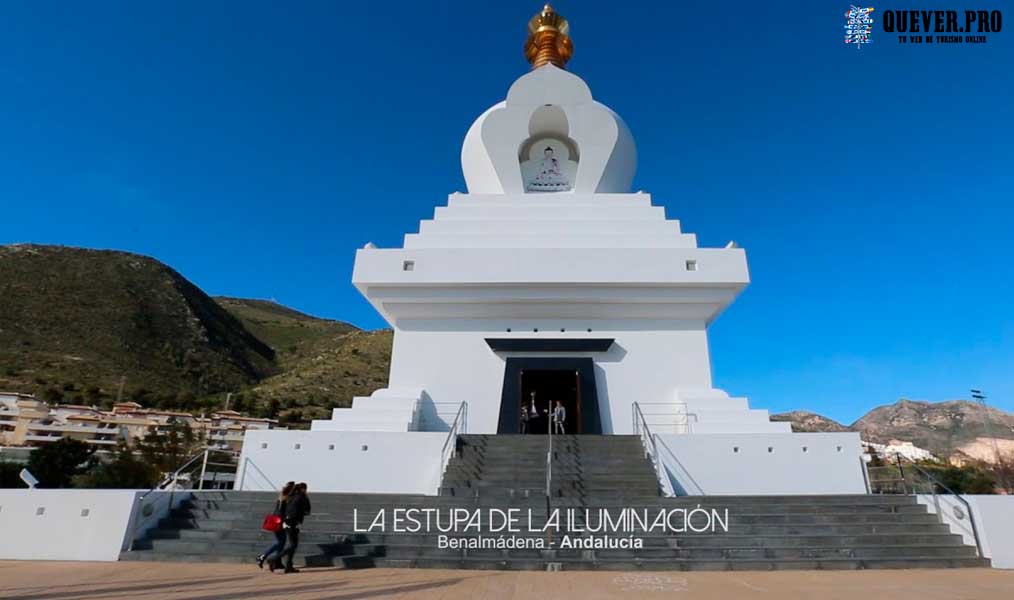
551,280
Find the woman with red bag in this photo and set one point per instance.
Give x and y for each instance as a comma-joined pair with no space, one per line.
273,523
296,508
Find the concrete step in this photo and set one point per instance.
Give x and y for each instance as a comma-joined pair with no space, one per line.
268,498
347,526
590,473
538,511
245,550
680,565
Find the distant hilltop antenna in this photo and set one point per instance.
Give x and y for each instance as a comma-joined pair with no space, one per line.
548,39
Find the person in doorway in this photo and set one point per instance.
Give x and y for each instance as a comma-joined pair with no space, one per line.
276,548
559,418
524,420
533,416
296,510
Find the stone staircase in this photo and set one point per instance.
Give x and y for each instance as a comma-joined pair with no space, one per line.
589,472
584,466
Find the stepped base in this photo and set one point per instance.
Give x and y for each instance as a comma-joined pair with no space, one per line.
592,473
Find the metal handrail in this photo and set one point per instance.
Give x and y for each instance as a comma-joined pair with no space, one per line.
936,482
648,440
680,426
550,421
173,479
661,444
420,420
450,443
175,474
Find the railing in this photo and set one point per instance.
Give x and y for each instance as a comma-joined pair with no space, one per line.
265,483
668,417
459,425
171,482
683,482
186,471
650,448
433,416
550,419
911,478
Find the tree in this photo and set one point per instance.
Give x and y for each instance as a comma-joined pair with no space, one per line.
125,471
56,464
969,479
10,475
1004,472
291,417
52,395
93,394
186,401
239,403
168,448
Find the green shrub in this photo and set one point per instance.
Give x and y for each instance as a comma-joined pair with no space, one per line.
10,475
969,479
125,471
56,464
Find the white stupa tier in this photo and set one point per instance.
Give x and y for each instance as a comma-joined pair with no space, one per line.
586,261
551,282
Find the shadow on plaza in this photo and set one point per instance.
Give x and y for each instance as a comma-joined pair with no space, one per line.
355,592
52,592
290,585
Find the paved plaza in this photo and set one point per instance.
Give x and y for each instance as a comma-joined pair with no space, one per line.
172,581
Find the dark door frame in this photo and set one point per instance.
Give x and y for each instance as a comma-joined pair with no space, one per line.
588,399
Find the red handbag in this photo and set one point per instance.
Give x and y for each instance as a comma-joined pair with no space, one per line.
272,523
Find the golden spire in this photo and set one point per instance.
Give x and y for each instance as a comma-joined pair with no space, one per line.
548,41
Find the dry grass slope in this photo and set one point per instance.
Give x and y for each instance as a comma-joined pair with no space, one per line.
322,364
74,321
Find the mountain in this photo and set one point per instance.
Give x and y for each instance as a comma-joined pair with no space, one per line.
322,363
809,422
75,323
940,427
943,428
281,327
327,373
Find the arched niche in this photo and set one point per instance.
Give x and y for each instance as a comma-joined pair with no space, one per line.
549,157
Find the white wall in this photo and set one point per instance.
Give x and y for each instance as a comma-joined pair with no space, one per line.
62,531
643,365
993,519
710,464
333,461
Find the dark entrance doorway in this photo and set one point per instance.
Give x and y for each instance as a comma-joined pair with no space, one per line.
541,389
569,380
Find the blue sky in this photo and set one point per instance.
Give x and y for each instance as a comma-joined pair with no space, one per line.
253,146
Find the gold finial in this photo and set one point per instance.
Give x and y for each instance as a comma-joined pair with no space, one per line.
548,41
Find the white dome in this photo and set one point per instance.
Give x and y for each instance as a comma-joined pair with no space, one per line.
552,106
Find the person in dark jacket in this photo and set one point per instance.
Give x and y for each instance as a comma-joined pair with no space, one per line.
279,510
296,509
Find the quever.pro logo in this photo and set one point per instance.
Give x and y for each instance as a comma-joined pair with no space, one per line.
858,25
